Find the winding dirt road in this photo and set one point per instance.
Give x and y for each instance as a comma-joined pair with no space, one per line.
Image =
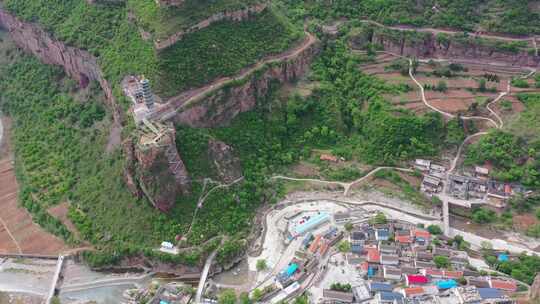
436,31
346,186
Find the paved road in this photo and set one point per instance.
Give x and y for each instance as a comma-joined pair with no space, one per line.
105,283
204,275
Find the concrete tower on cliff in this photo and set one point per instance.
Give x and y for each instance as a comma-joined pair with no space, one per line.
148,96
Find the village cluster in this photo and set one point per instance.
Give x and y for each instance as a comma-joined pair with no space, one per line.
472,188
362,257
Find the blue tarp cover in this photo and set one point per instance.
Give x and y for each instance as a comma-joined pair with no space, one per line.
291,269
447,284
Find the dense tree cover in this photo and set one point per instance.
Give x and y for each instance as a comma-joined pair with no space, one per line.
60,142
384,134
345,287
102,29
106,31
524,268
441,261
512,158
513,17
222,49
163,21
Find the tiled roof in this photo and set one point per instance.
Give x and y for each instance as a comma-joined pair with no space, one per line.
453,274
422,233
373,255
404,239
504,285
416,279
412,291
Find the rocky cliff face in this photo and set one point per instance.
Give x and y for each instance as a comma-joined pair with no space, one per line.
535,288
162,175
237,15
426,45
77,63
223,105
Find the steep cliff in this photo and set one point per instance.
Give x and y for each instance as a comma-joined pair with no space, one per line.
77,63
219,107
162,175
447,46
535,288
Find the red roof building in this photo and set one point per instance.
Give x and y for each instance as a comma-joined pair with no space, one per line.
403,239
315,245
453,274
324,248
364,266
413,279
373,255
422,234
434,273
413,291
328,157
503,285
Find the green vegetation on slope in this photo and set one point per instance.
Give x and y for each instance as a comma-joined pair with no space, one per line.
222,49
515,153
164,21
106,31
514,17
59,145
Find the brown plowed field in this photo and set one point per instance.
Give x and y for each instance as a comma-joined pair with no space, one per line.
18,234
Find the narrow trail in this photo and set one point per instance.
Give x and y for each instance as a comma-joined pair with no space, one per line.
346,186
446,114
185,99
11,235
460,149
202,198
445,31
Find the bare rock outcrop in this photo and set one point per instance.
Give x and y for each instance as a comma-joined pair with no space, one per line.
226,163
162,175
222,105
77,63
535,288
428,45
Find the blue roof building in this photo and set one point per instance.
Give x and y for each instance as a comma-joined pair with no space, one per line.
312,223
357,248
382,234
447,284
490,293
390,297
375,287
